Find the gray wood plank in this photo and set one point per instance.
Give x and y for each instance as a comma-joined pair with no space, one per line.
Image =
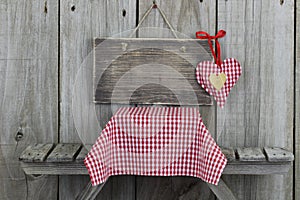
83,152
222,191
297,105
275,154
28,92
36,153
90,192
250,154
229,153
256,113
186,17
64,152
150,71
234,167
78,28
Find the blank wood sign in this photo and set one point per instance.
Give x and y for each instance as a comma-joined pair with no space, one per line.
149,71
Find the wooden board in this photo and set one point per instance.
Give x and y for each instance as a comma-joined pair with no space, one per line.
28,92
250,154
297,105
36,153
66,159
64,153
186,17
259,109
149,71
80,23
276,154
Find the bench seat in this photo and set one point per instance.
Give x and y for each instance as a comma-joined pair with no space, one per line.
67,159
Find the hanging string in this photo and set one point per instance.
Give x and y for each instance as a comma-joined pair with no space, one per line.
154,6
220,34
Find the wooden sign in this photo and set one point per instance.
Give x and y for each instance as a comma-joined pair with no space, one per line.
149,71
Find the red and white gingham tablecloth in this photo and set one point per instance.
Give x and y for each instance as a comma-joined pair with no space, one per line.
155,141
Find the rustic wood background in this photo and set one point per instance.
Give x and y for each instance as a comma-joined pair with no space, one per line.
43,43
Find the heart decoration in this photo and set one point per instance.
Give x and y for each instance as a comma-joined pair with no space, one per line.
218,81
217,78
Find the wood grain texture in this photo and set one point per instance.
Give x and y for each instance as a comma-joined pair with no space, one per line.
276,154
297,105
64,153
259,109
250,154
149,71
28,92
36,153
186,17
69,162
222,191
90,192
79,26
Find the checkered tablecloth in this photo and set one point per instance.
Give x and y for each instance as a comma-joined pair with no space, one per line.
155,141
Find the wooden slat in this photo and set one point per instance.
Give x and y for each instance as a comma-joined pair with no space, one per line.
275,154
76,168
28,92
259,109
257,168
297,104
186,17
78,28
222,191
83,152
150,71
229,153
249,162
55,168
64,153
36,153
90,192
250,154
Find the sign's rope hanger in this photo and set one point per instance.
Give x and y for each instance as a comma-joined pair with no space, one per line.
154,6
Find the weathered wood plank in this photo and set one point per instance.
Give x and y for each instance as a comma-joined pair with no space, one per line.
149,71
28,92
250,154
297,105
90,192
276,154
234,167
229,153
186,17
79,26
259,109
83,152
36,153
222,191
64,153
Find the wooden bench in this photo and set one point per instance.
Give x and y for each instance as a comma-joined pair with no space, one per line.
67,159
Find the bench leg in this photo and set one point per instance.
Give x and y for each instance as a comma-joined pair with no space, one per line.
222,191
90,192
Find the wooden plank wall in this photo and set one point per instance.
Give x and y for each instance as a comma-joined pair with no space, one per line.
297,104
187,17
28,92
42,46
259,111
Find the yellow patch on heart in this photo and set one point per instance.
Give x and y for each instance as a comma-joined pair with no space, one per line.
217,81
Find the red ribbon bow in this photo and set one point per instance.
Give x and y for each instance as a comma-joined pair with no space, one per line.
220,34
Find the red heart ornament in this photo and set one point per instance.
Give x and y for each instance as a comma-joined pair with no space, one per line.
230,67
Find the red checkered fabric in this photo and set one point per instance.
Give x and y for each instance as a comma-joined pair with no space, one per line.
230,67
155,141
